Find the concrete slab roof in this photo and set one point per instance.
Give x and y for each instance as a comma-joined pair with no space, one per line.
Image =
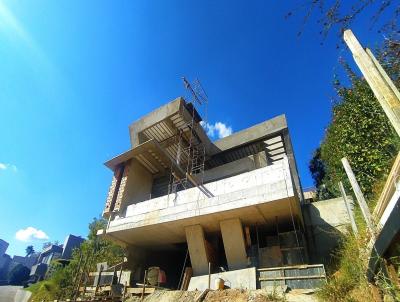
150,154
254,133
165,123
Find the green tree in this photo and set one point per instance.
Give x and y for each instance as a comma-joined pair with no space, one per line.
18,275
29,250
60,283
359,130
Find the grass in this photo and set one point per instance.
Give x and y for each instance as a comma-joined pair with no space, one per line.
46,290
349,281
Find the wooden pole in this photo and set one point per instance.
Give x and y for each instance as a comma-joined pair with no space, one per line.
98,280
359,195
209,275
144,285
383,88
349,212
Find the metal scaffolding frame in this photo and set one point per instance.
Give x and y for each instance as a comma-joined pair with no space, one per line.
191,152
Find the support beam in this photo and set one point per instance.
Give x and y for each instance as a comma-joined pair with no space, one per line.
359,195
383,88
197,244
349,211
234,244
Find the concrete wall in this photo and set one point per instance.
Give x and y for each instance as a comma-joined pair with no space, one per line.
241,279
138,185
259,186
325,222
242,165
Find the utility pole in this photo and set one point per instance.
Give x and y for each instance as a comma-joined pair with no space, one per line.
359,195
380,83
351,217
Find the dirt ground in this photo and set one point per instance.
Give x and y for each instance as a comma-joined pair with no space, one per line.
228,295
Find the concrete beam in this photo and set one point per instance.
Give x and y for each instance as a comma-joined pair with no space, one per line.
199,256
234,244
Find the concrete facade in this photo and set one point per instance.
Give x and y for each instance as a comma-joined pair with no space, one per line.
250,182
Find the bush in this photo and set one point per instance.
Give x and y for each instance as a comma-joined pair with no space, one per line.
18,275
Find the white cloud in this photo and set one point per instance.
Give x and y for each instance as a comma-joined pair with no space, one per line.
222,129
5,166
218,130
30,234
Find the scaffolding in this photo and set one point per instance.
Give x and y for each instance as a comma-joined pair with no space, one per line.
191,152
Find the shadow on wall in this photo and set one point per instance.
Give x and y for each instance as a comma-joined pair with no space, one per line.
326,222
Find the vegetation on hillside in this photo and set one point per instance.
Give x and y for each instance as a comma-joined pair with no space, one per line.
60,281
360,131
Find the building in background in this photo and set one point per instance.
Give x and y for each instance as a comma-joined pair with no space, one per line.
3,247
51,253
48,254
70,243
27,261
5,261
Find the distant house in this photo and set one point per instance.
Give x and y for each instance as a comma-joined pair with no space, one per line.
3,247
54,252
5,261
27,261
71,242
38,271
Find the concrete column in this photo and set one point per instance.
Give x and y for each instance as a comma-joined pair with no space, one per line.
234,244
197,249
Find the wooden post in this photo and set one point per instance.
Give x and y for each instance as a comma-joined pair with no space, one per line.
209,275
346,202
144,285
98,280
359,195
383,88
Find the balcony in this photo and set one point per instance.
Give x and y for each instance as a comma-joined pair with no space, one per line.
255,197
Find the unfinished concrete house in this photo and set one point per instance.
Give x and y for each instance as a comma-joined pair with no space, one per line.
187,205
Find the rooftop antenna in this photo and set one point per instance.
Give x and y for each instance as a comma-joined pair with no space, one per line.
196,91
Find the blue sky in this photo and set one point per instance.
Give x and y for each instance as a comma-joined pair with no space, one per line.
75,74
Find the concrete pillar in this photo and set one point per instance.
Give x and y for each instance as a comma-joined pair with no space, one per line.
234,244
197,244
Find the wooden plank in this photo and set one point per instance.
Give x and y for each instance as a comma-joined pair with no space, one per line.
388,189
359,195
377,79
202,295
139,290
292,278
186,278
349,212
290,267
